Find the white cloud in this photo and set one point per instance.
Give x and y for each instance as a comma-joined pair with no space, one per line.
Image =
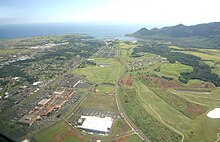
154,11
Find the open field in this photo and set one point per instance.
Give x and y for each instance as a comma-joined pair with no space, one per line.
133,138
204,56
155,94
101,74
153,128
120,126
60,132
165,70
100,102
208,56
175,69
126,45
103,88
167,109
8,51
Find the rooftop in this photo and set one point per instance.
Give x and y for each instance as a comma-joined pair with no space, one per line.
97,124
28,119
43,102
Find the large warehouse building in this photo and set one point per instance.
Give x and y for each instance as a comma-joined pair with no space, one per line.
95,124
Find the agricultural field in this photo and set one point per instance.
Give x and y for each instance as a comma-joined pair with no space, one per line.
181,112
159,102
60,132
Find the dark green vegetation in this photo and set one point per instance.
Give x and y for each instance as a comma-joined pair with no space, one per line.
201,35
203,30
15,69
200,71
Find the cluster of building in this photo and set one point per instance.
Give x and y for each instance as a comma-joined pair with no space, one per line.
14,58
49,45
145,62
47,105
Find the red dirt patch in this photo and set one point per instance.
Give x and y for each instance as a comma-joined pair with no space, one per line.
127,81
57,138
202,85
164,83
195,109
156,81
64,134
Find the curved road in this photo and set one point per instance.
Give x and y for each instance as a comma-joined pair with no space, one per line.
134,128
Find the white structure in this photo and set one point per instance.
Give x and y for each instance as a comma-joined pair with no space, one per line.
96,124
43,102
58,92
215,113
36,83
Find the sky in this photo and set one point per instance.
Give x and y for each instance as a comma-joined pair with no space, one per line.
152,12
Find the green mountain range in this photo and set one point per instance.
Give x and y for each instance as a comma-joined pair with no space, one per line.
178,31
201,35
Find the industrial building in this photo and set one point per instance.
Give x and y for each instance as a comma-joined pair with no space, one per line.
95,124
43,102
46,106
28,119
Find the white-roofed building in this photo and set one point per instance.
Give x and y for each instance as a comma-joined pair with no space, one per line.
43,102
95,124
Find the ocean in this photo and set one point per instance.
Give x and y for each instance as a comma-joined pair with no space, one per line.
98,31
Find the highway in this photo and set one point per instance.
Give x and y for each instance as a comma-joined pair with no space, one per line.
135,128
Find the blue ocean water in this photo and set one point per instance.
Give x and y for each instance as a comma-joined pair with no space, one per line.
96,30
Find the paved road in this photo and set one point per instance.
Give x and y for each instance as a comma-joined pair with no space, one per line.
135,128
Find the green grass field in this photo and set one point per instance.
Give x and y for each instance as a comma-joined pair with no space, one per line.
13,50
50,133
151,126
59,132
164,70
182,113
174,70
120,126
124,45
96,74
102,88
134,138
101,102
172,110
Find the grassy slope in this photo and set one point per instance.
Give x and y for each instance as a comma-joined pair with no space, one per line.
137,111
165,111
196,129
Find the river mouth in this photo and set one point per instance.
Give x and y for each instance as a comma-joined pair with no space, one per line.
215,113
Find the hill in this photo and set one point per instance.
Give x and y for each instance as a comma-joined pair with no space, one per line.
201,35
178,31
